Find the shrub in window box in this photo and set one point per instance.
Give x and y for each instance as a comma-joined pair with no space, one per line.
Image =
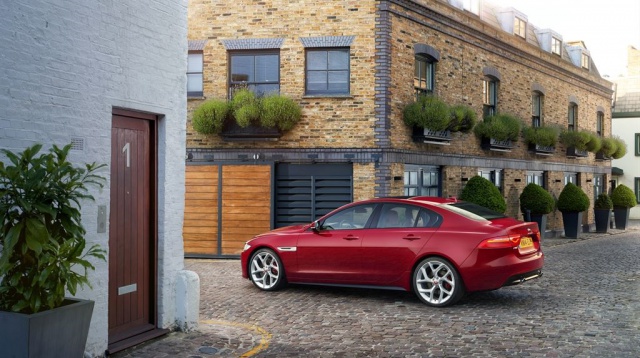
572,202
621,148
541,140
44,253
429,117
481,191
463,119
608,147
536,203
210,116
579,143
602,211
623,200
498,132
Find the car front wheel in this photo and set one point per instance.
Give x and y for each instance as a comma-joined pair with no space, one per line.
267,272
437,283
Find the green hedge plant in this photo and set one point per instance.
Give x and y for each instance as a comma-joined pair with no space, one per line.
543,136
623,197
609,146
580,140
44,250
279,111
428,112
536,199
603,202
500,127
245,107
463,118
482,192
621,148
210,116
572,199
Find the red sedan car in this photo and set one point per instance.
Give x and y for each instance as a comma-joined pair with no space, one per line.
439,248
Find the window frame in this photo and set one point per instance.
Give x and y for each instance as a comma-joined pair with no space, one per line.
190,73
572,117
533,174
573,175
253,85
636,182
556,46
494,175
429,78
600,124
489,96
327,92
584,60
536,118
420,174
519,27
637,146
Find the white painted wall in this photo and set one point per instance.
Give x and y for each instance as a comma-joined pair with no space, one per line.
64,64
626,128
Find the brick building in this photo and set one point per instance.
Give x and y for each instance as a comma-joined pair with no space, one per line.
353,66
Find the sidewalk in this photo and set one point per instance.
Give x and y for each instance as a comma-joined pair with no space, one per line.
219,338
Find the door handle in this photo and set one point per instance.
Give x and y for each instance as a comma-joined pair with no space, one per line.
411,237
351,237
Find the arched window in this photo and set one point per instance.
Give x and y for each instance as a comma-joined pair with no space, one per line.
424,75
537,100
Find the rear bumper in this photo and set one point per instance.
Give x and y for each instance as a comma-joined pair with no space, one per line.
484,273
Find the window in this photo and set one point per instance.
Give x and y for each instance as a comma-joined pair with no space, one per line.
637,146
570,178
520,27
421,181
584,60
258,71
600,124
637,188
194,74
490,96
424,75
556,45
492,175
472,6
327,71
598,185
536,177
404,216
355,217
573,117
536,109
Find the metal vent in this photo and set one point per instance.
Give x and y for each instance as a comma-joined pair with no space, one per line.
77,143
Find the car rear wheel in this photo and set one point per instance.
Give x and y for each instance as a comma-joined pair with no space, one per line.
437,283
266,269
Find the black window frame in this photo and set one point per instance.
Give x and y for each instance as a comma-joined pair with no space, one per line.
572,117
419,186
494,175
536,118
327,92
490,87
637,145
541,175
600,124
636,185
429,78
252,85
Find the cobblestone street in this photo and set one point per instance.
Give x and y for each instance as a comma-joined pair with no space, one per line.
587,304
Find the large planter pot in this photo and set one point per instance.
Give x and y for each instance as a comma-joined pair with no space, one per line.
572,223
621,217
602,219
60,332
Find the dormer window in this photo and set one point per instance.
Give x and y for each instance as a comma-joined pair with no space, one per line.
520,27
556,45
472,6
585,61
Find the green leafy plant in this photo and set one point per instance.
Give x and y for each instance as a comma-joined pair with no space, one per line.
580,140
43,244
544,136
463,118
500,127
279,111
536,199
623,197
595,143
482,192
210,116
427,112
609,146
603,202
621,148
245,107
572,199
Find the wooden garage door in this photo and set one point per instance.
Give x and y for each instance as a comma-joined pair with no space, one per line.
225,205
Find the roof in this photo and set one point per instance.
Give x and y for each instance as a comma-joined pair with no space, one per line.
627,95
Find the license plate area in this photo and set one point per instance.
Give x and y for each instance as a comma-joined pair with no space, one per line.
526,243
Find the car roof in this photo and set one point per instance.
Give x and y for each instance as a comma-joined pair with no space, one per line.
425,199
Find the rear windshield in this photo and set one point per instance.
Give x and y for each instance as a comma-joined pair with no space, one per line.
474,211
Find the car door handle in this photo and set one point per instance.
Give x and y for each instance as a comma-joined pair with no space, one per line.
411,237
351,237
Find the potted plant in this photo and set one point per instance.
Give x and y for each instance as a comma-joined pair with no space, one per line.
602,211
541,140
621,148
608,147
210,116
572,202
482,192
498,132
623,200
579,143
44,253
537,203
463,119
429,117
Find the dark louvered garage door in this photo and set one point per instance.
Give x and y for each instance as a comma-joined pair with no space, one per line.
305,192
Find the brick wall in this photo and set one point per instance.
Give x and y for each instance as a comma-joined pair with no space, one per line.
65,65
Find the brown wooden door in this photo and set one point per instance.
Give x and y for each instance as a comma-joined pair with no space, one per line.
131,273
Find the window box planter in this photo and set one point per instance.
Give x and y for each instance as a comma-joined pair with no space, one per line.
601,156
496,145
541,149
572,152
232,131
425,135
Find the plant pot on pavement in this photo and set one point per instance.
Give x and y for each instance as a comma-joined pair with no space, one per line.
602,217
572,223
621,216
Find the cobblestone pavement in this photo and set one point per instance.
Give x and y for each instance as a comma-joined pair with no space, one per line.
587,304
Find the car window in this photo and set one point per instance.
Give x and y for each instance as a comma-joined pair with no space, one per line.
473,211
396,215
428,218
355,217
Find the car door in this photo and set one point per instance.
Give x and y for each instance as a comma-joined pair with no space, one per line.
332,254
397,235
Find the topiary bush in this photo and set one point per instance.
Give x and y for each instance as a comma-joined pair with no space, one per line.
536,199
543,136
427,112
463,118
482,192
623,197
210,116
500,127
245,107
580,140
609,146
603,202
279,111
572,199
621,148
595,143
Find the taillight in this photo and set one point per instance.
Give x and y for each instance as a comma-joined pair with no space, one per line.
501,242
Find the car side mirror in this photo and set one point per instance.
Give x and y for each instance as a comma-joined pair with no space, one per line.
315,226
